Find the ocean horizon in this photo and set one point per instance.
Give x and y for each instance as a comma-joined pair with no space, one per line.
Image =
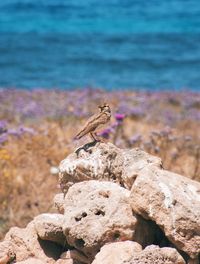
107,44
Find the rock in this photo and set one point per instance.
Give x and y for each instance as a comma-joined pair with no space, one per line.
75,256
104,162
54,170
117,253
97,213
26,244
49,227
173,202
154,254
31,261
129,252
6,252
66,261
194,261
59,202
161,208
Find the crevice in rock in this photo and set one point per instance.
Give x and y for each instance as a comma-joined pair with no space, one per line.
162,241
105,194
184,255
80,243
84,214
149,232
99,212
159,237
78,218
116,235
51,249
122,184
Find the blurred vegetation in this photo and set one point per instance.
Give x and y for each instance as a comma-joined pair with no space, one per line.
37,130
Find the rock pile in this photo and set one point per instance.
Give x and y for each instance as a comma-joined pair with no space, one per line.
116,207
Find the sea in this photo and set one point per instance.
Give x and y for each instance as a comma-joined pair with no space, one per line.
111,44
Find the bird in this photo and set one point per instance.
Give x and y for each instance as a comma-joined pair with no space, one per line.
95,121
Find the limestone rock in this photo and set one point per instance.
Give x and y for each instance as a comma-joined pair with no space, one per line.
117,253
31,261
154,254
66,261
49,227
59,202
26,244
97,213
173,202
73,255
6,251
7,254
129,252
104,162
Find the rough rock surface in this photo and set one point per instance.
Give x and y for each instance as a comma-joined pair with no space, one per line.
173,202
162,208
6,247
117,253
67,261
93,215
59,202
31,261
49,227
104,162
73,255
6,252
156,255
129,252
26,244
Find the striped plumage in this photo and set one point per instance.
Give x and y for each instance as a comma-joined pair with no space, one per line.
95,121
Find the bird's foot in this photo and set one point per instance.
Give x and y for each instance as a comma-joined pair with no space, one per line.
86,147
100,140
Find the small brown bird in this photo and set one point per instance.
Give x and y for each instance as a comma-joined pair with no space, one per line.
95,121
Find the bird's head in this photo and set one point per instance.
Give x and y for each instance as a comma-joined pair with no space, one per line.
104,108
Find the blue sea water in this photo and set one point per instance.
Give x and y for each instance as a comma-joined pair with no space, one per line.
113,44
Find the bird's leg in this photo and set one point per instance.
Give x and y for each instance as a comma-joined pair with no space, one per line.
93,136
96,138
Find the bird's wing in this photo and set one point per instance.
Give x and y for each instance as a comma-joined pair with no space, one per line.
89,126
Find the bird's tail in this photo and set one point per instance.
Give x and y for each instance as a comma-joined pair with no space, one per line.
78,136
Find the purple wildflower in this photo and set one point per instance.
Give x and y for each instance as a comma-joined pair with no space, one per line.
105,133
14,132
3,138
20,131
3,125
136,138
137,112
114,125
27,130
166,132
119,117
